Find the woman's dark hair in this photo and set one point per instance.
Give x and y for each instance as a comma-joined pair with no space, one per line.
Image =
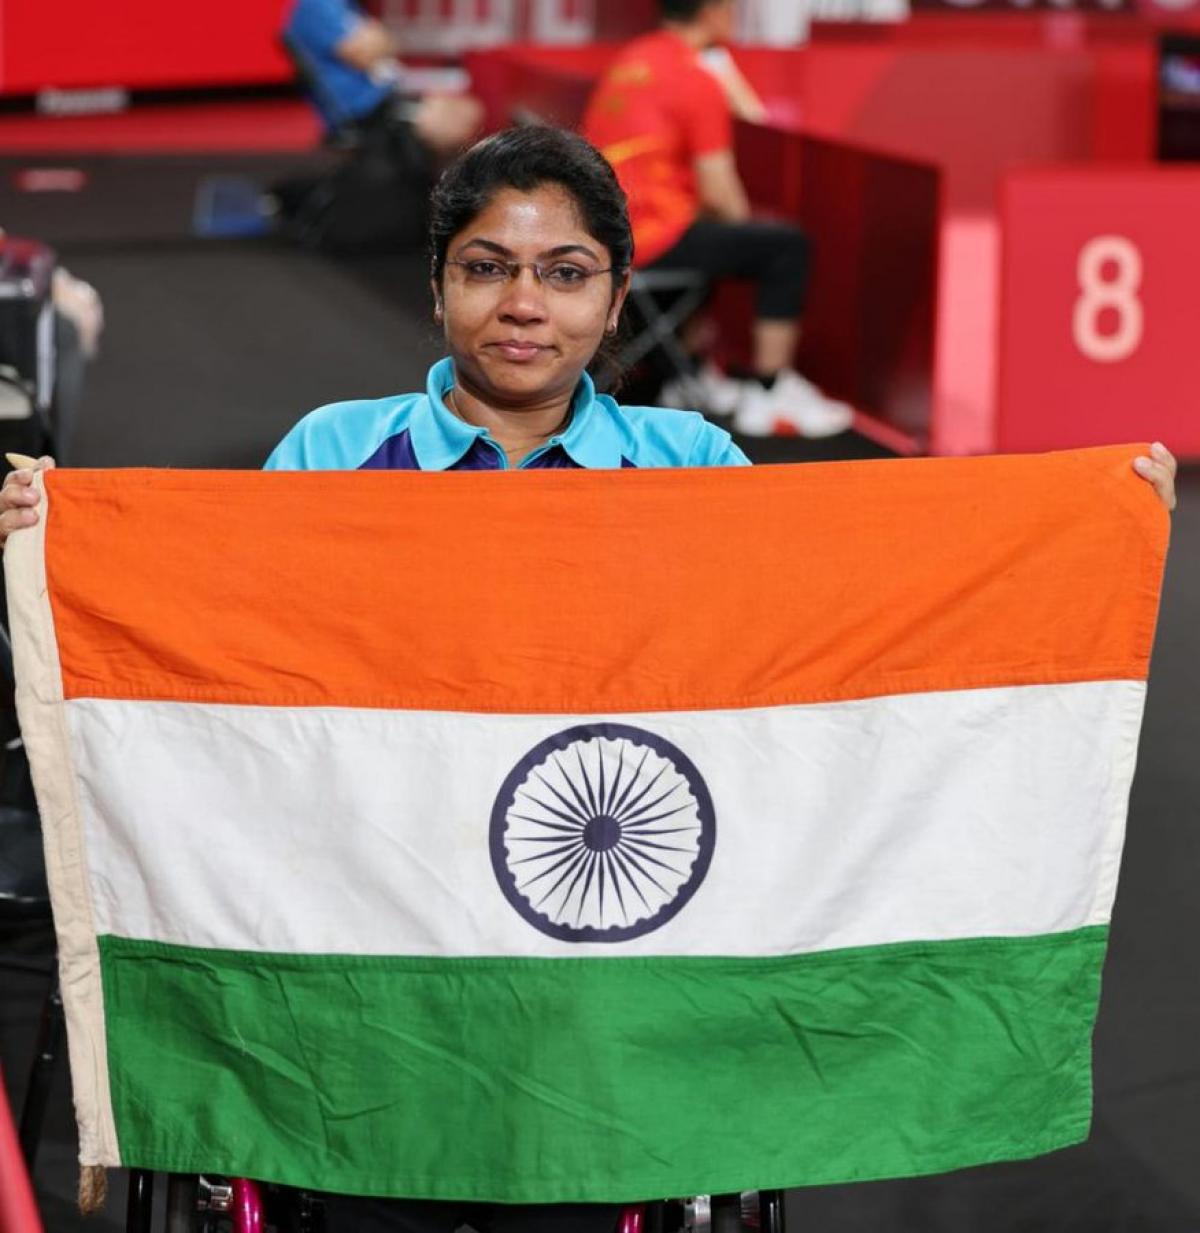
525,159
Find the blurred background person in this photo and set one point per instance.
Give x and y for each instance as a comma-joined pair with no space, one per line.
663,116
49,335
370,105
358,81
78,324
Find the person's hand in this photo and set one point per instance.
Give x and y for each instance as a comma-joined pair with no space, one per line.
1159,471
19,498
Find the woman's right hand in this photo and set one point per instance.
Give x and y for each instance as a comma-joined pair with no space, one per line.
19,498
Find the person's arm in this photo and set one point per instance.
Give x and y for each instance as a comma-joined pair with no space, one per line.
742,96
367,46
722,194
706,130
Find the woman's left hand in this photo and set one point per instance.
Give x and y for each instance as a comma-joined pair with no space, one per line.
1159,471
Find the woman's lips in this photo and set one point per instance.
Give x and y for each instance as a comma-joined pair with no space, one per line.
517,350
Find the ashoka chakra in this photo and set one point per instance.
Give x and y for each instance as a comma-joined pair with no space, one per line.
602,833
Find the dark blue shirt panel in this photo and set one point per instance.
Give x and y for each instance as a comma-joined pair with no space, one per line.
397,454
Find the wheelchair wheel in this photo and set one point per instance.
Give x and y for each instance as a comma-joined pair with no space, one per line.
752,1211
726,1213
182,1215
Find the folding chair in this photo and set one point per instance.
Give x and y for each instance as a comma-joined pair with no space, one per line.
661,321
661,324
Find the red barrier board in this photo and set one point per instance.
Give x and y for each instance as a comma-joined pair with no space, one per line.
135,44
1099,278
976,111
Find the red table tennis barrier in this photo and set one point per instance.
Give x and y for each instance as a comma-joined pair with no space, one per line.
78,44
874,221
18,1212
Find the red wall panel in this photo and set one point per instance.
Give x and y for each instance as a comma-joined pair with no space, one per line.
1098,321
976,112
139,43
980,93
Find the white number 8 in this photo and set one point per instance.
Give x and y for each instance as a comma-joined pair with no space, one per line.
1117,292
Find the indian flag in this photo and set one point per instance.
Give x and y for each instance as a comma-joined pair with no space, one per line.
585,836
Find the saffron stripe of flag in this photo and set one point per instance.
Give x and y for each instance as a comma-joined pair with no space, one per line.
579,836
686,592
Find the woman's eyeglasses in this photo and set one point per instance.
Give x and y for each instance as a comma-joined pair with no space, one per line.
557,275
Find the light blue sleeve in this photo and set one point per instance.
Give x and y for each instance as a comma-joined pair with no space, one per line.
290,453
339,436
714,447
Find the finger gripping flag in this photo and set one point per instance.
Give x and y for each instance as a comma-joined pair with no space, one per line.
585,836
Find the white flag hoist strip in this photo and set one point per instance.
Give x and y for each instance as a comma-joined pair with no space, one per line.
585,836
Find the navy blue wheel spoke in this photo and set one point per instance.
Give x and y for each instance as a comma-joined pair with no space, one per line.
587,885
637,832
607,858
616,783
545,856
633,815
574,855
637,774
600,792
629,808
585,809
658,817
635,859
659,847
645,856
584,865
558,813
575,811
541,838
572,864
587,782
550,826
619,863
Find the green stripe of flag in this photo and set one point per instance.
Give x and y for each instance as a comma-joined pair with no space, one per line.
612,1079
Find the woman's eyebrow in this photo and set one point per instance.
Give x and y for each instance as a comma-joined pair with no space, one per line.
490,245
563,249
560,250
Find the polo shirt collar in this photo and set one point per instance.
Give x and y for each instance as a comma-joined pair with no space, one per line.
440,439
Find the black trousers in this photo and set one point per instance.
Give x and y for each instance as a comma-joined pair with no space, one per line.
346,1214
776,256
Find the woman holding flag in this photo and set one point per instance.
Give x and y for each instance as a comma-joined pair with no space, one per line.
531,252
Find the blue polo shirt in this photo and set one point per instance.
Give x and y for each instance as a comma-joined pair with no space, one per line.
416,432
341,92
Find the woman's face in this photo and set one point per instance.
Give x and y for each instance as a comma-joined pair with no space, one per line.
525,341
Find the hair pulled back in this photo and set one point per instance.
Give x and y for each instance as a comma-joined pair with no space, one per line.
525,159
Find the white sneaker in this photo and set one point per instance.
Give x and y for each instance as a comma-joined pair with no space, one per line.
791,407
708,390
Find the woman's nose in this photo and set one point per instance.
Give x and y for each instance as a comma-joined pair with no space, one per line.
524,297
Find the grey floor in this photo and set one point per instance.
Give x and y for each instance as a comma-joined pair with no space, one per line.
213,350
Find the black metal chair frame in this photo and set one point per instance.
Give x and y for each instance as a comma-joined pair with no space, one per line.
688,290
